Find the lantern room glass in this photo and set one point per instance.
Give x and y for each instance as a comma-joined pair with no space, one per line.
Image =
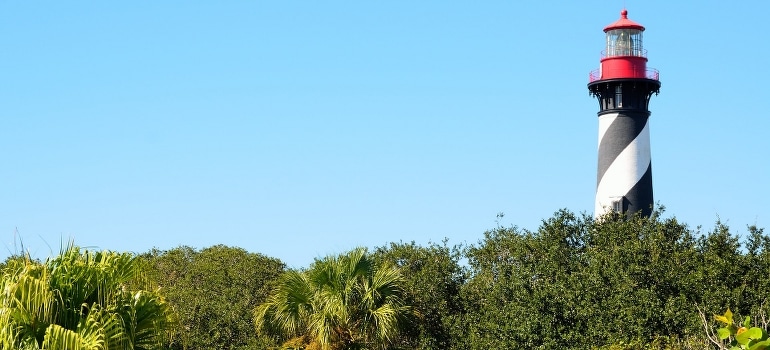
624,42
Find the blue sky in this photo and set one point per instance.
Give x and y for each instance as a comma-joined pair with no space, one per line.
298,129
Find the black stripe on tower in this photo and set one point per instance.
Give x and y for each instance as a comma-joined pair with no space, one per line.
640,197
623,130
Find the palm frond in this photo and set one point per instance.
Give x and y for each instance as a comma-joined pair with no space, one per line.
60,338
78,300
344,301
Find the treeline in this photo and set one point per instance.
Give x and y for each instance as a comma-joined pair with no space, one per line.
574,283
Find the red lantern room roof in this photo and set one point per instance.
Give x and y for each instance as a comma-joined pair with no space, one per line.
624,23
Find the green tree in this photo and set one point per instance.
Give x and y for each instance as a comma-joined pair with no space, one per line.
79,300
520,292
639,272
579,283
432,281
213,292
341,302
757,265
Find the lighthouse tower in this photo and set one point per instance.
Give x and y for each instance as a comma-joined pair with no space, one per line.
623,85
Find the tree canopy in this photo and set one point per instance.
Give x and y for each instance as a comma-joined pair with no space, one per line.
575,282
213,292
581,283
79,300
433,278
341,302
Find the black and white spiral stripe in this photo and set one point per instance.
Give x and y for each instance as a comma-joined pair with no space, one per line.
625,168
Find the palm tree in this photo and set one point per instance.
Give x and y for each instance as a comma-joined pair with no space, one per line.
339,303
79,300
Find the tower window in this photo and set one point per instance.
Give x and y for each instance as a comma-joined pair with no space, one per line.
619,96
616,203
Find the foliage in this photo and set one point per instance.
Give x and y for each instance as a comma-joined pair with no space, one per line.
659,343
432,281
613,283
562,285
213,292
740,335
341,302
518,296
79,300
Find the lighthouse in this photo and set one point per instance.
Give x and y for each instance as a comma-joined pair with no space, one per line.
623,85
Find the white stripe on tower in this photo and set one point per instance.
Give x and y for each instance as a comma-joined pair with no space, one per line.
626,169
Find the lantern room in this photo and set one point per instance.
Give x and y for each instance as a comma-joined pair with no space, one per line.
624,37
624,56
624,42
